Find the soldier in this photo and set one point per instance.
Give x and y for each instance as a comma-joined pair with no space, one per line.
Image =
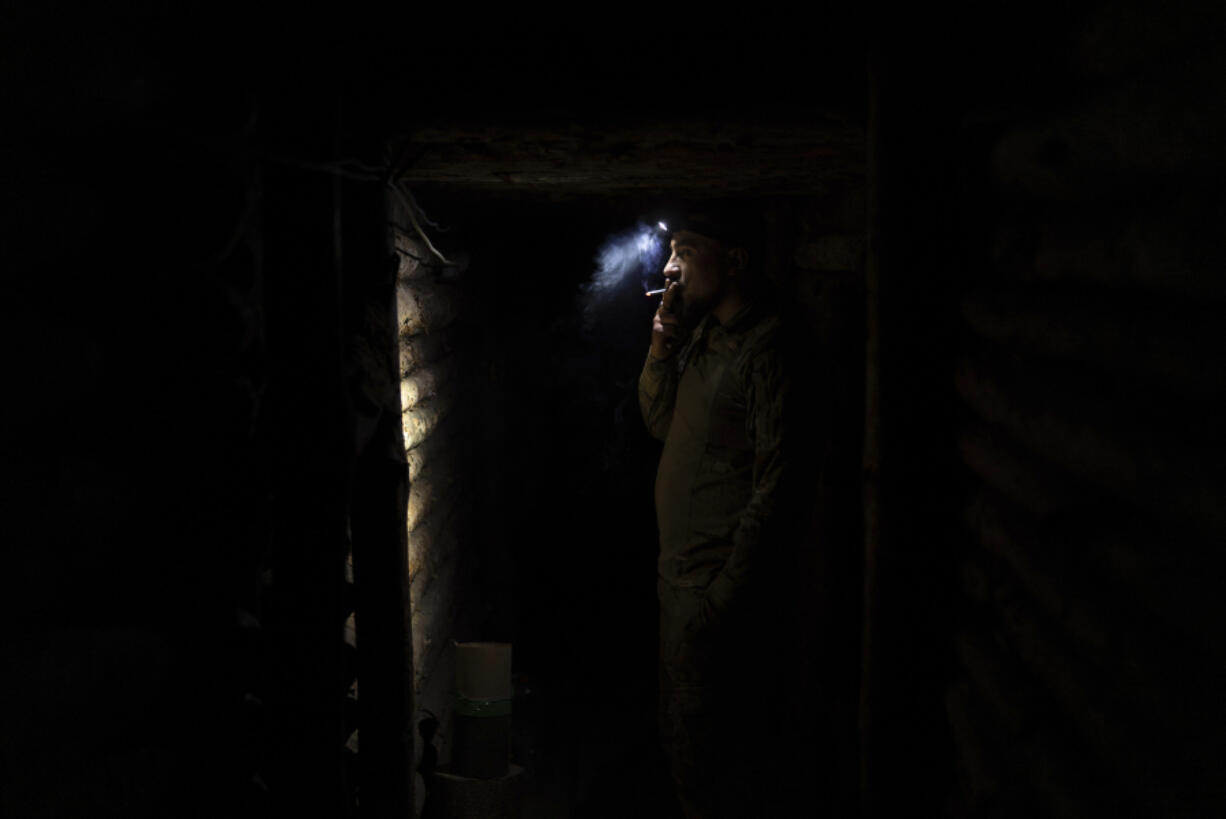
712,389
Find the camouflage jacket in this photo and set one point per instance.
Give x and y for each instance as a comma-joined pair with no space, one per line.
718,405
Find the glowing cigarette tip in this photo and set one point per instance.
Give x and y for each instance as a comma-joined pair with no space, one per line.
651,293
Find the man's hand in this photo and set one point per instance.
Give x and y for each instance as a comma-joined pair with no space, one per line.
666,327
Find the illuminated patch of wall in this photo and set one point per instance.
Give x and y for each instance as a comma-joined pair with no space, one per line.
430,301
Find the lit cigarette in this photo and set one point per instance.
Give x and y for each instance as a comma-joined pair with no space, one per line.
651,293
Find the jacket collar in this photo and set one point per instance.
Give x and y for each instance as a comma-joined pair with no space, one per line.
745,318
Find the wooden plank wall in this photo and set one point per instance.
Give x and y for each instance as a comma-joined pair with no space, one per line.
1087,370
438,423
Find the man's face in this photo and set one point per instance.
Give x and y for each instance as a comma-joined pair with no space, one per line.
699,264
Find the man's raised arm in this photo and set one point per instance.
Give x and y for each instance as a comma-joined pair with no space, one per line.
658,381
657,394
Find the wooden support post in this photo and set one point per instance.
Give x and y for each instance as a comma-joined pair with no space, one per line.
378,507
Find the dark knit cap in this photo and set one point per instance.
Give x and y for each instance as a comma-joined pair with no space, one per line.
734,225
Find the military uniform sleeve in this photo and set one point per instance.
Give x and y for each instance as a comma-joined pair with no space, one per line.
657,394
766,393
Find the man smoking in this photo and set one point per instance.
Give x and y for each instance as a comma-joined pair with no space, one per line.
713,388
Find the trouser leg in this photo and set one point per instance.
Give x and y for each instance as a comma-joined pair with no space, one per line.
705,714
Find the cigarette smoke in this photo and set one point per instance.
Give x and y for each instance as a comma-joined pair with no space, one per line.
625,264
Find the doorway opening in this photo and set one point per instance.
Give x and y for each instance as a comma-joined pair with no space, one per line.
531,510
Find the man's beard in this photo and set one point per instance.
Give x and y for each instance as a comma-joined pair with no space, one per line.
690,312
